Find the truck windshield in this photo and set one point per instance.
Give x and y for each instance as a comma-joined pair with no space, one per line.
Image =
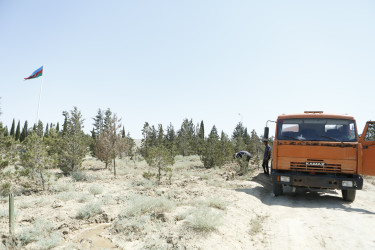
316,129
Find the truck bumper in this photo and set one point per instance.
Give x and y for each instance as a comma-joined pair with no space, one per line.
317,181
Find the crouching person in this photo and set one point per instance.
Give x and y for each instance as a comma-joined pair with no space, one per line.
243,158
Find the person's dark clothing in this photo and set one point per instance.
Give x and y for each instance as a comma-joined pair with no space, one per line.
243,158
266,158
243,153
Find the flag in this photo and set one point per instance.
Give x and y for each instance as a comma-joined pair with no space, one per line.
36,73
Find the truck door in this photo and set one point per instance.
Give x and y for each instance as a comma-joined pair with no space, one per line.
368,149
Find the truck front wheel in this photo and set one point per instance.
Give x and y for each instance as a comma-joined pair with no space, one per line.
277,188
348,194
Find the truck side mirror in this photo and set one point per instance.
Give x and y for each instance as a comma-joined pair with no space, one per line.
266,132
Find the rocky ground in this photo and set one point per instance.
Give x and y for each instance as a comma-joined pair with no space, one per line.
193,208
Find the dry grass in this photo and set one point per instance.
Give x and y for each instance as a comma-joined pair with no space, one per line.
204,219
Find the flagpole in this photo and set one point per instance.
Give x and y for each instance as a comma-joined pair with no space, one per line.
40,94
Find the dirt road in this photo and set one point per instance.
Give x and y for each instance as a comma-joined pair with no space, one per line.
314,220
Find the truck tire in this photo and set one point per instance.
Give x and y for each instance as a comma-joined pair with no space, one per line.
277,188
348,194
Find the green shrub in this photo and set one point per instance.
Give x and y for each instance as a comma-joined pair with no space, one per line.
216,202
139,205
89,210
204,220
42,232
95,189
5,189
79,176
148,175
82,198
66,196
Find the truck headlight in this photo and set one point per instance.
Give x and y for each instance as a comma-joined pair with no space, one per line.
347,183
285,178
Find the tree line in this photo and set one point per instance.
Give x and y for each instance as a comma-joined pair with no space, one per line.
34,150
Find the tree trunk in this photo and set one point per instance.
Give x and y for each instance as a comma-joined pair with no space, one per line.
41,177
114,166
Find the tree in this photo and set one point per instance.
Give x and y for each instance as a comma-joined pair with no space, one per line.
123,135
200,138
211,155
159,157
170,140
11,133
47,131
18,131
74,146
98,123
39,129
24,132
35,159
58,128
110,143
186,138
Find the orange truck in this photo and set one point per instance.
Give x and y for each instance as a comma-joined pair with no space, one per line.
321,151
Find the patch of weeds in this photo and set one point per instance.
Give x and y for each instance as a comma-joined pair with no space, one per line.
95,189
89,210
42,202
181,216
82,198
148,175
145,184
216,202
108,199
66,196
63,187
42,233
25,204
204,220
135,227
257,224
5,189
139,205
80,176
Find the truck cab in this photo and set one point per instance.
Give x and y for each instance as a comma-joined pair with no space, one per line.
322,151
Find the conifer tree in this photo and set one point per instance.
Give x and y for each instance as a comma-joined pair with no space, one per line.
74,147
200,138
12,129
57,127
47,131
160,136
39,128
6,133
211,155
98,123
186,138
35,159
18,131
123,135
170,140
24,132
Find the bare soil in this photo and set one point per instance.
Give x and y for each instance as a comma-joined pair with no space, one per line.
252,218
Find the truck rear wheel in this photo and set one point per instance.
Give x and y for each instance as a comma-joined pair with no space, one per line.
277,188
348,194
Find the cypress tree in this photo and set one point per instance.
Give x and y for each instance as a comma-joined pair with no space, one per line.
11,133
18,131
24,132
39,129
58,127
47,131
6,133
123,135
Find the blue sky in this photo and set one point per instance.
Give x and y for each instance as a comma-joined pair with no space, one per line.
163,61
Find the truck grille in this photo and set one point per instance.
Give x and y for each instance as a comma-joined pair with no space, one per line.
315,166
